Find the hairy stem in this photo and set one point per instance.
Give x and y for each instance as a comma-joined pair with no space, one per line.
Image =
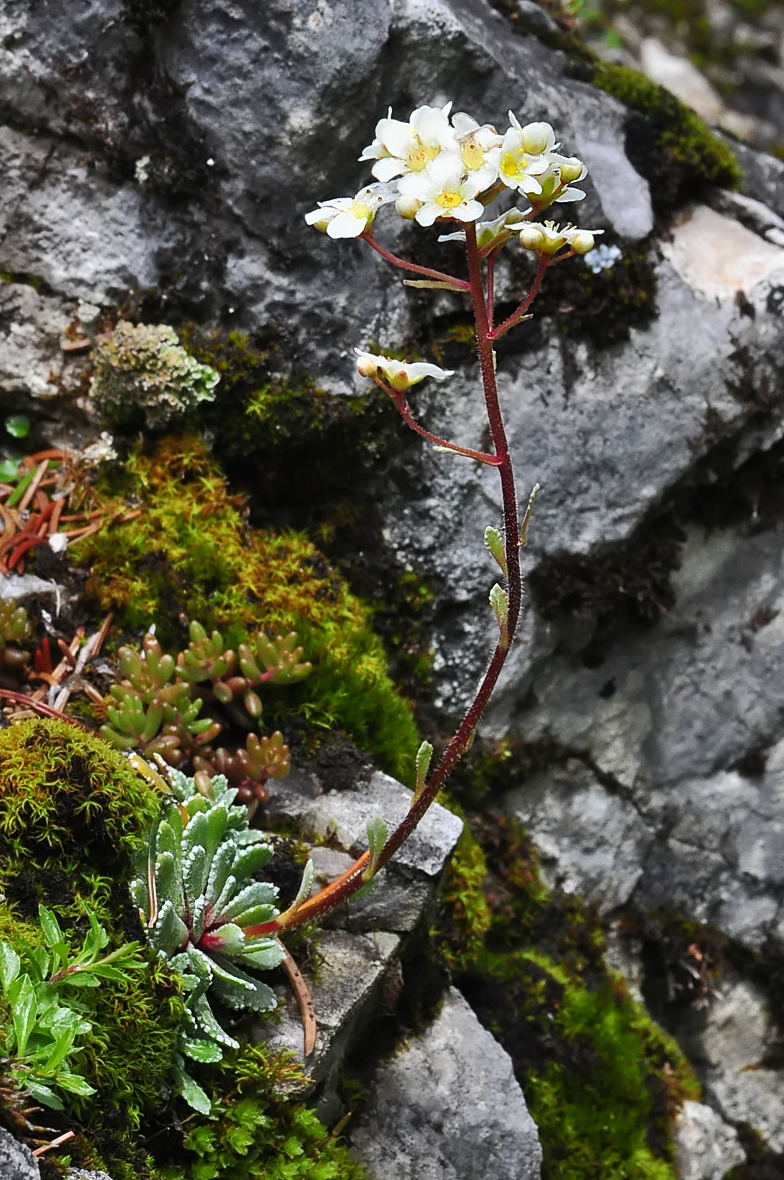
351,881
402,264
405,413
519,312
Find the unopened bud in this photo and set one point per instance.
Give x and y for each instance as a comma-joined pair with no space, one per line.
366,366
572,170
535,138
321,226
408,207
582,242
531,237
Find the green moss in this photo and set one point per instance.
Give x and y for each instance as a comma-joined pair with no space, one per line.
673,148
72,815
601,307
668,144
130,1050
257,1134
264,408
602,1080
191,555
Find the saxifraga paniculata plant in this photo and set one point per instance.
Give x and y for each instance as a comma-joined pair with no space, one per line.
197,900
436,169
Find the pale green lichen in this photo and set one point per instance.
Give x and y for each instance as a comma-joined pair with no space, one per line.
143,370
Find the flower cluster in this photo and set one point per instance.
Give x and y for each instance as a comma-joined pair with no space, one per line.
434,167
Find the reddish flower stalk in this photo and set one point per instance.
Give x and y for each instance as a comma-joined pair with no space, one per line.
353,879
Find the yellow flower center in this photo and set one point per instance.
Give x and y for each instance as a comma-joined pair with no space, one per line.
449,200
359,210
514,164
471,154
419,156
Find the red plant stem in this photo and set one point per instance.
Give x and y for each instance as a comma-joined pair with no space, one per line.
516,316
438,275
39,707
490,290
405,413
352,880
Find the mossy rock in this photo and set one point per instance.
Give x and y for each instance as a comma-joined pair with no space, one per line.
673,148
190,555
602,1081
73,814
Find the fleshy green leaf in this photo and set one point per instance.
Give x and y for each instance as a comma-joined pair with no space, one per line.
9,965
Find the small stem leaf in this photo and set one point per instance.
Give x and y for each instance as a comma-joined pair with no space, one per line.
432,285
527,517
50,926
23,1007
192,1093
500,604
495,543
424,754
377,838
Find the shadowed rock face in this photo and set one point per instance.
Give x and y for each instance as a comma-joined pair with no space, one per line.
177,147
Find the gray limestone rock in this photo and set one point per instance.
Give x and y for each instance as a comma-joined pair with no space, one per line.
344,988
706,1146
16,1160
447,1106
729,1045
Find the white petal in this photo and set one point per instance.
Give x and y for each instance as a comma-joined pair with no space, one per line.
398,138
372,151
468,211
570,194
428,213
417,184
463,123
514,121
446,170
384,170
346,225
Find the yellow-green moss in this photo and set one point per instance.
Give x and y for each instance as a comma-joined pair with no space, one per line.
191,555
681,151
73,813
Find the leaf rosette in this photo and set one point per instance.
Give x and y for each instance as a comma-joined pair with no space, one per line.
196,895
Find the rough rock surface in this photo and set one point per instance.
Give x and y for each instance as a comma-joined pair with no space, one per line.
448,1107
730,1046
706,1147
16,1160
177,147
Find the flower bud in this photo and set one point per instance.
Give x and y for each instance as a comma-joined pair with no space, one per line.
531,237
571,170
407,207
535,138
583,241
321,226
366,366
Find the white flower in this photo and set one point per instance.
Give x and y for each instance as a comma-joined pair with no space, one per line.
570,169
348,217
548,238
486,231
474,142
399,374
409,147
524,155
445,190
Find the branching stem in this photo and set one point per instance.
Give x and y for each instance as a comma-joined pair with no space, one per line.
351,880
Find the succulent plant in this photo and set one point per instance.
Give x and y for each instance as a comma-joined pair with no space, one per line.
196,895
156,708
14,628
